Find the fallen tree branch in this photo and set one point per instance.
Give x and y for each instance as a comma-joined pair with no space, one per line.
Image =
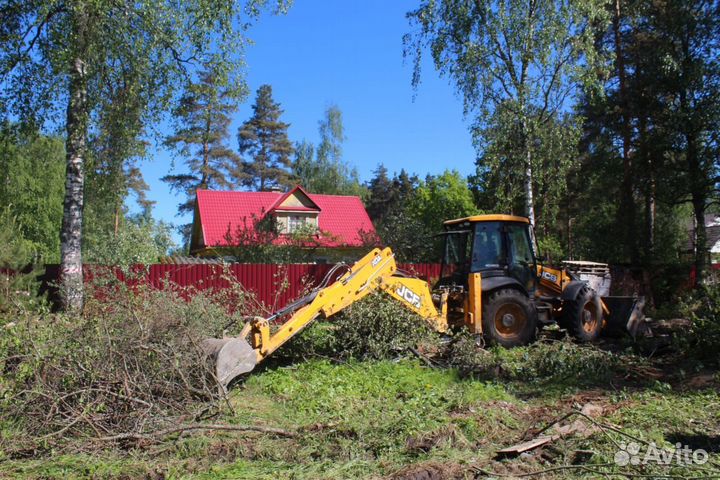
426,360
160,434
540,472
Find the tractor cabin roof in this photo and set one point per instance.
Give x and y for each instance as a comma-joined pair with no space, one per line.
340,219
488,218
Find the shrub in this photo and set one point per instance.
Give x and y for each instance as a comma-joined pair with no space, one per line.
18,288
702,339
377,327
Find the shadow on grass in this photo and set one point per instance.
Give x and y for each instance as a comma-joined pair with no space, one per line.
696,441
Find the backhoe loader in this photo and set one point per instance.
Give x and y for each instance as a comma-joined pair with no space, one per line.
490,284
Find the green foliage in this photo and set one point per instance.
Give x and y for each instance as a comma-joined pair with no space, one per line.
499,180
560,362
375,328
139,240
145,47
702,339
441,198
551,249
327,172
391,208
263,137
112,171
202,121
648,139
379,327
18,288
258,240
515,65
410,239
33,168
407,212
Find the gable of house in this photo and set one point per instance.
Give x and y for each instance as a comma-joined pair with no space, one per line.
295,211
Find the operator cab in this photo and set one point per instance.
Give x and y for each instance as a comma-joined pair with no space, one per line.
492,245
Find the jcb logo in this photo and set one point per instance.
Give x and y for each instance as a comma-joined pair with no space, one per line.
549,276
409,296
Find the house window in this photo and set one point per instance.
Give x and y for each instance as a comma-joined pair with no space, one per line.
295,223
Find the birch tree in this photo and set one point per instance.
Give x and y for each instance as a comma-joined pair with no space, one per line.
525,56
60,58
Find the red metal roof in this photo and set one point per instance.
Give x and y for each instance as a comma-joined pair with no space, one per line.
341,217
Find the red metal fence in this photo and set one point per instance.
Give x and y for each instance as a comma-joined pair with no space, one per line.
274,285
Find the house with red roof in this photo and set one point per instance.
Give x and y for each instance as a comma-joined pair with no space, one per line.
339,225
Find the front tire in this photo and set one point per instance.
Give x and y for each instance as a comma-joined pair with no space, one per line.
582,317
509,318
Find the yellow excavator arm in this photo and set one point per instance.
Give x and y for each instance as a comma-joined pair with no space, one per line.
375,271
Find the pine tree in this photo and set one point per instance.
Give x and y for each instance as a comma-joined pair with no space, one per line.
203,120
381,195
263,138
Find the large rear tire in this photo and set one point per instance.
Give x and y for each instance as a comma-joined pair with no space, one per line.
582,317
509,318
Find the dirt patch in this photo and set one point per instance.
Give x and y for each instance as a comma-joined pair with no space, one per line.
229,450
702,381
432,471
449,435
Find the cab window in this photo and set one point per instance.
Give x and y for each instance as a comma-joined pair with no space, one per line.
519,245
455,259
487,251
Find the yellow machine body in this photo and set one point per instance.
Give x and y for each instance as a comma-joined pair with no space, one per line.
459,304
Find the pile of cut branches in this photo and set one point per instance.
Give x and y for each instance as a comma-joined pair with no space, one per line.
130,366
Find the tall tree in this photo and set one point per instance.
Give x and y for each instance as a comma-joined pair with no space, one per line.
58,54
388,197
263,138
381,195
499,187
688,44
443,197
327,172
202,120
522,55
390,204
627,210
653,134
32,168
115,149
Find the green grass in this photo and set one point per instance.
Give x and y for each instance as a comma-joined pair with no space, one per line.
372,419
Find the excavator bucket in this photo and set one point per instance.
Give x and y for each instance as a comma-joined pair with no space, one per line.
232,356
626,315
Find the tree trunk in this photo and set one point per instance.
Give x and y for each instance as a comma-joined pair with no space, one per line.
71,271
205,175
529,205
650,192
699,203
626,213
528,182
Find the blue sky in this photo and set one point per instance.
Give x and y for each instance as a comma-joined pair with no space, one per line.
348,53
